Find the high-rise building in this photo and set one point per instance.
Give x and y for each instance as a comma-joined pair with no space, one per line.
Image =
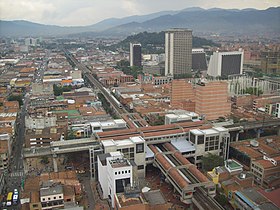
199,60
211,100
270,62
225,64
178,52
135,57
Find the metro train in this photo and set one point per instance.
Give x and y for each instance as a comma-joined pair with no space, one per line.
113,97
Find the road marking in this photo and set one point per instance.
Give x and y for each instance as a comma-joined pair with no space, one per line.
16,173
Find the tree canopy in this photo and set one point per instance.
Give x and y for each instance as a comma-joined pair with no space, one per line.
211,161
154,42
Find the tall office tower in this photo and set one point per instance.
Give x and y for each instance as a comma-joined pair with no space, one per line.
135,56
178,52
211,100
225,63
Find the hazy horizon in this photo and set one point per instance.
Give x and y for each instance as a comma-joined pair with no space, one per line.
88,12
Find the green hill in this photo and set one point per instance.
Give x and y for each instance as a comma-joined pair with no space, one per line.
154,42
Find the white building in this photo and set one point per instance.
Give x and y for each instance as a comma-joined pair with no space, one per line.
277,111
40,122
115,172
108,125
225,64
213,140
181,116
133,149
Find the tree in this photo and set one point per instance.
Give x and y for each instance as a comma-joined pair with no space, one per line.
45,160
211,161
222,199
57,90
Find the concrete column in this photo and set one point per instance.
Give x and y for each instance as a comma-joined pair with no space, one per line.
92,163
55,163
237,136
258,133
25,165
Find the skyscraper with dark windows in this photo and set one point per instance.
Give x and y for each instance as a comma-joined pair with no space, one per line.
223,64
135,57
178,52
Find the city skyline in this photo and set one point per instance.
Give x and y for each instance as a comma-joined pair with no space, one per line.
75,13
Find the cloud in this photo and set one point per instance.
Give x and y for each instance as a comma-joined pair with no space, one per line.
86,12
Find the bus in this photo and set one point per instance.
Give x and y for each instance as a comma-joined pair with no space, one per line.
15,199
9,199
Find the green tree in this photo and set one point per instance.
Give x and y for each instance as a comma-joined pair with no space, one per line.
57,90
222,199
123,66
253,91
211,161
45,160
70,135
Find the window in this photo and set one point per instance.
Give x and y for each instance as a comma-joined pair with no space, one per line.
140,167
125,150
43,199
59,196
200,140
140,148
192,138
49,198
116,173
199,157
54,197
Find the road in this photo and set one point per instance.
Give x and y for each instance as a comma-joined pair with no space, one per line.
15,174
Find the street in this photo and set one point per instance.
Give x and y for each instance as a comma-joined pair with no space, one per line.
15,175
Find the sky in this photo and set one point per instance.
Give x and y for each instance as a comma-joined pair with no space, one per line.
87,12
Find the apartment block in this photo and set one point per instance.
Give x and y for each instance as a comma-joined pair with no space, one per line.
211,100
181,91
262,157
51,195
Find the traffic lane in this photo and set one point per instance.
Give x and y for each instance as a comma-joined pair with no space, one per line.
85,180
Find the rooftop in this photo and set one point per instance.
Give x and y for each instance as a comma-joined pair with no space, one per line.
154,197
256,149
51,190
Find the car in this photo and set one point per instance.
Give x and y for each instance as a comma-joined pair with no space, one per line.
15,191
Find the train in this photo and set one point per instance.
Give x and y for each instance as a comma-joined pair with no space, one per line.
113,97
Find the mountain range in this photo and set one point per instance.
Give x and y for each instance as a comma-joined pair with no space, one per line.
201,21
